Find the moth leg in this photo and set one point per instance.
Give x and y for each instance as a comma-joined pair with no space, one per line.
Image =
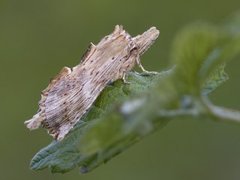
124,78
143,69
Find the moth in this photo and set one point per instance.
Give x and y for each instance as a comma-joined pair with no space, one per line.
73,91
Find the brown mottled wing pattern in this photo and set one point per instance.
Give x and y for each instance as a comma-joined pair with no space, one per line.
72,92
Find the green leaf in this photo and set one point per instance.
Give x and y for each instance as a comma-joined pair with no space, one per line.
64,155
191,48
199,52
215,79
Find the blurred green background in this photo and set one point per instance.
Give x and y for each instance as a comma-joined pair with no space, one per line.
38,38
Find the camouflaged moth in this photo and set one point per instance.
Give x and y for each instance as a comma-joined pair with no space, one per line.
73,91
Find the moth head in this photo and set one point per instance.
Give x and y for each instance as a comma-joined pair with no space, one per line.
145,40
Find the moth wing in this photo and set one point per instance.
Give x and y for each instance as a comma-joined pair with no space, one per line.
54,100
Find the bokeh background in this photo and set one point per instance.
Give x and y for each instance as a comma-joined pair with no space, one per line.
38,38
